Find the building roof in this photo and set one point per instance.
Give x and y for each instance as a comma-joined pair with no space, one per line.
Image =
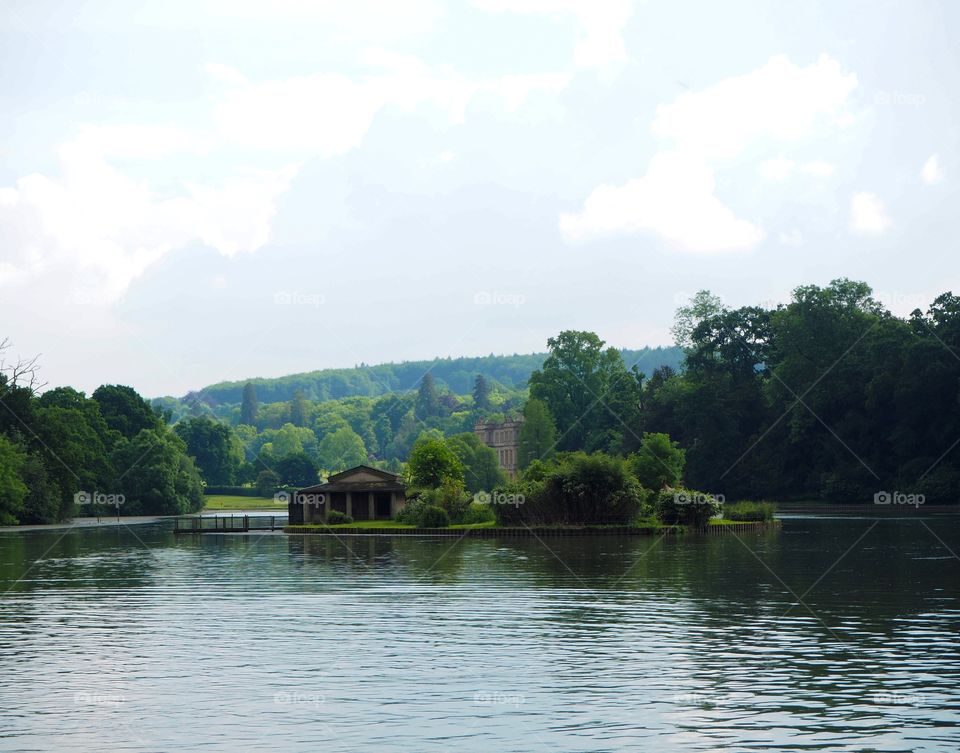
341,482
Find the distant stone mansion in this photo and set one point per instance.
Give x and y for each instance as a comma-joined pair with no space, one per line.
504,438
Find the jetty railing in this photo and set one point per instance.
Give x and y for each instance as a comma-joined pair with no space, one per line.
229,523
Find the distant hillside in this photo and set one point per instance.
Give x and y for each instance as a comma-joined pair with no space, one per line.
456,373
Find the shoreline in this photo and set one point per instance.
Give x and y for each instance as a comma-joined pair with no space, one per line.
492,532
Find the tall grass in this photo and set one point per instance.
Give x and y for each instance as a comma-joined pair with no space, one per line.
748,510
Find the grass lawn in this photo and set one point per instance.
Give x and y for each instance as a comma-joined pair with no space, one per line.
215,502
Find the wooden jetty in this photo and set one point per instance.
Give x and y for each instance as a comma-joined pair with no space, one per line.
197,524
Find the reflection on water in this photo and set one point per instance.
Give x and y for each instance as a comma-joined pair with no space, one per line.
131,640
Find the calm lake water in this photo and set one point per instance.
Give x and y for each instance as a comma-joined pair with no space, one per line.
131,640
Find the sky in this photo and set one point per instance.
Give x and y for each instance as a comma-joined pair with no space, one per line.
208,190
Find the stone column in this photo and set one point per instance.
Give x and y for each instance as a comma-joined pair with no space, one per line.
350,504
371,508
393,504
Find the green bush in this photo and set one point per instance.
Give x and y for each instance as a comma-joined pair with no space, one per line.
574,489
335,518
747,510
478,513
685,507
411,512
434,517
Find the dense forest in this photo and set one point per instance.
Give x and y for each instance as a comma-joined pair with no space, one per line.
455,375
828,396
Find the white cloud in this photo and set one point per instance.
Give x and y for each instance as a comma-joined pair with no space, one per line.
778,169
818,168
100,229
791,238
780,102
674,199
330,114
867,214
932,172
600,24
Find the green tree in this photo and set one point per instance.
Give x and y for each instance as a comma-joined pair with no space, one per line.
703,305
427,404
481,393
431,462
587,390
659,462
13,491
211,445
267,483
124,410
299,409
160,479
538,435
298,470
481,469
342,449
248,406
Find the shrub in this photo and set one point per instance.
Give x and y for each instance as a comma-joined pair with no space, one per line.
685,507
749,511
478,513
267,483
433,517
659,462
576,489
335,518
411,512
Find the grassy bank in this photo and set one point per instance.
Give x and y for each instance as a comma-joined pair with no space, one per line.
227,502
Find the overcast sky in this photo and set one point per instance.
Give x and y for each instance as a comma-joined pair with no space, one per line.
204,190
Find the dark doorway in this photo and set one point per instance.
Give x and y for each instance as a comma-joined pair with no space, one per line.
381,504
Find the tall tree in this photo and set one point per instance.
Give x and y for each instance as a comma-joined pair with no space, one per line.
481,468
427,404
587,390
299,409
213,448
481,393
342,449
538,434
433,462
124,410
248,405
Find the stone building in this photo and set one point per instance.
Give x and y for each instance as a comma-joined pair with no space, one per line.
504,438
363,493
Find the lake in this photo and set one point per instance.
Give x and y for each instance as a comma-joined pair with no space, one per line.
837,634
